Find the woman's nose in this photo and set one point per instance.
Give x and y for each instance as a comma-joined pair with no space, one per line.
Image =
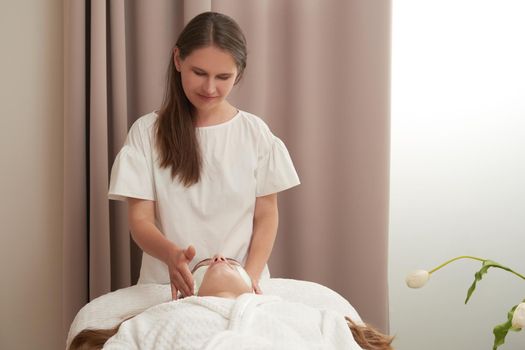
218,257
209,86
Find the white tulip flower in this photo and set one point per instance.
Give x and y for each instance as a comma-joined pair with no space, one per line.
417,278
518,320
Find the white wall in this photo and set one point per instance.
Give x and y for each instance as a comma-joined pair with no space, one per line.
457,168
31,147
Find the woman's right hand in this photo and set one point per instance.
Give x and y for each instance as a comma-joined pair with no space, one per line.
181,278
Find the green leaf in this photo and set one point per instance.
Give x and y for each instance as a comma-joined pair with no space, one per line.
501,330
487,264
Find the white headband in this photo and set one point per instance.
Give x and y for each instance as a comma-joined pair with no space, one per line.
198,276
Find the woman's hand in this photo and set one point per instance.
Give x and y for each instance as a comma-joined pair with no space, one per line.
180,274
255,286
255,280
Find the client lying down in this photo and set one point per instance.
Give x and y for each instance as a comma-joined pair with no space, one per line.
224,313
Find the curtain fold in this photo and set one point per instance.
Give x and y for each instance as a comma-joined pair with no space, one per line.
318,74
74,242
99,65
117,125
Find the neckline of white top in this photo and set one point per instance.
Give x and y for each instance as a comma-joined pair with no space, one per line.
214,126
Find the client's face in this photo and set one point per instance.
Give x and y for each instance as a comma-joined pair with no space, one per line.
222,278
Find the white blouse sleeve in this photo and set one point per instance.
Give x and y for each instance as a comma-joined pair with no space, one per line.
132,171
275,170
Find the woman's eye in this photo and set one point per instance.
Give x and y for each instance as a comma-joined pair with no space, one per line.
199,73
223,78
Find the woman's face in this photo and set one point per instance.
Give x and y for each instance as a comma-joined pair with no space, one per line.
222,278
208,75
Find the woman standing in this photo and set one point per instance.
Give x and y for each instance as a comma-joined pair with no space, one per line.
200,175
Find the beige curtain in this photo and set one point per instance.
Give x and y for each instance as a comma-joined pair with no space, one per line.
318,73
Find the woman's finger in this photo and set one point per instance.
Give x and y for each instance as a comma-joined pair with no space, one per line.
174,291
188,278
177,283
189,253
256,288
181,284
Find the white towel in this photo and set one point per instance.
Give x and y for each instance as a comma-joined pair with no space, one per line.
248,322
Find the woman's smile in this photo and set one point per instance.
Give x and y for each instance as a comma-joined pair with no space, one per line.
207,98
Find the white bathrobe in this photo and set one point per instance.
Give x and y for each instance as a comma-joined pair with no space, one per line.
248,322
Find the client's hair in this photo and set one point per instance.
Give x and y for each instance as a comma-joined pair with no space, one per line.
91,339
365,335
368,337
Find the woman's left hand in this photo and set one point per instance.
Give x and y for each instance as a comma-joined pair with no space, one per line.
255,281
255,286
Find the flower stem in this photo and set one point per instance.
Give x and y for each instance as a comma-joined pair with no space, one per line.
517,274
474,258
459,257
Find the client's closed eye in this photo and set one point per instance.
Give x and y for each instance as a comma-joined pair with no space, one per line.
201,263
233,261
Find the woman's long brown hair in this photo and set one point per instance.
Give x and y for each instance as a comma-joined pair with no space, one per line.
92,339
175,131
368,337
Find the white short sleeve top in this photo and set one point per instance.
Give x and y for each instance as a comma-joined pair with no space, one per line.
242,160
